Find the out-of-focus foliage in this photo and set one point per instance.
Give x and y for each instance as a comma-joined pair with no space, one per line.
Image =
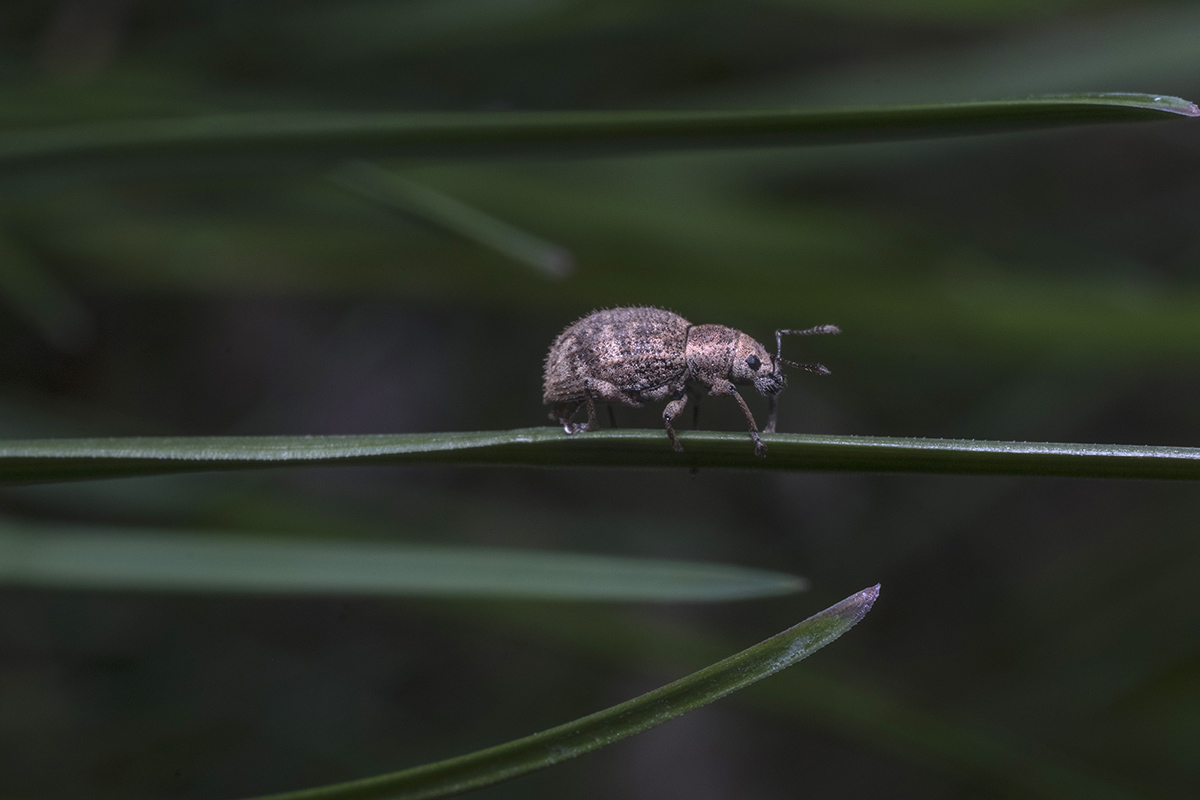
1040,634
548,748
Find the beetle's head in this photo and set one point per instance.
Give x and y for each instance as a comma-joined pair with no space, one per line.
752,363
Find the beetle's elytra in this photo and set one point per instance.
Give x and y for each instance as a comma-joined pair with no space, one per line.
636,355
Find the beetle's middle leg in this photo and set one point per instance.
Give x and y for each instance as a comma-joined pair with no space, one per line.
673,410
719,389
694,396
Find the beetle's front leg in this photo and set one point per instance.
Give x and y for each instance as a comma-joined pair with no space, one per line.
724,388
772,412
673,410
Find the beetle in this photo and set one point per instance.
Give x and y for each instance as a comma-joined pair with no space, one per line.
637,355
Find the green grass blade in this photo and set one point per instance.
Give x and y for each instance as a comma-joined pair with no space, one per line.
66,459
522,756
99,558
389,189
899,727
328,137
1132,45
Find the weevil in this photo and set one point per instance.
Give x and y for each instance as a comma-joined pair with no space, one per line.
638,355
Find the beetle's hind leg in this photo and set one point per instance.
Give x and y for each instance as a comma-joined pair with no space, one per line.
591,409
562,413
597,390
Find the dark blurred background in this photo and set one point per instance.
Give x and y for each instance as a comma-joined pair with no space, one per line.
1030,633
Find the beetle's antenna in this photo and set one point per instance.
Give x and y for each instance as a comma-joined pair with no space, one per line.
819,369
805,332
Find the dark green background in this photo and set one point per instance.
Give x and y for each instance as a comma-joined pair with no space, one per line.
1029,287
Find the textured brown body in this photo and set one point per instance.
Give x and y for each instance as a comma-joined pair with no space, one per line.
635,355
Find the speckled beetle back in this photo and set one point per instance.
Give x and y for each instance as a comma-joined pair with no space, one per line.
636,355
636,349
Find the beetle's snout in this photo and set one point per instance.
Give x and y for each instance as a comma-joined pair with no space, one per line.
770,382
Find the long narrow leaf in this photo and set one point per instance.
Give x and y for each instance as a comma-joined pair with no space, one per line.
393,191
522,756
329,137
96,558
1008,764
66,459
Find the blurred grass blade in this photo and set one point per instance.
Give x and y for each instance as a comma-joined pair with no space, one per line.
522,756
36,296
66,459
387,188
96,558
238,140
899,727
1123,45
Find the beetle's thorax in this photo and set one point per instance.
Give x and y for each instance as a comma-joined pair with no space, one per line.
716,353
709,352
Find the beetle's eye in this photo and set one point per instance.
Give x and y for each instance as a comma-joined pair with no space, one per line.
753,363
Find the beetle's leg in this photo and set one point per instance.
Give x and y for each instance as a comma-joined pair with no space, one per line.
671,412
591,409
718,389
772,412
695,398
562,413
597,390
